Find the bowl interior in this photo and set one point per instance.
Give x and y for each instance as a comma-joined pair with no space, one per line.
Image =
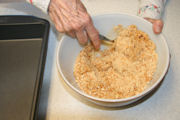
69,48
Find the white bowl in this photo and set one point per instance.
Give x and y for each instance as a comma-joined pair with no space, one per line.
69,48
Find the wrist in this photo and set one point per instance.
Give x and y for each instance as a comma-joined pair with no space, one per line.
151,8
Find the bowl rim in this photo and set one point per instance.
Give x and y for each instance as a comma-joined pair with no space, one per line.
122,99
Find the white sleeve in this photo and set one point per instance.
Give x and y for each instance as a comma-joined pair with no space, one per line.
42,4
151,8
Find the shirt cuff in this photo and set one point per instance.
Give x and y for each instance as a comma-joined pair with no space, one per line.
151,8
42,4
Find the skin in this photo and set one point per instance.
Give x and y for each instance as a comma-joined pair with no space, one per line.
72,18
157,25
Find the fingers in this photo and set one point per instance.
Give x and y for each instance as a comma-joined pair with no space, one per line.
93,35
54,14
157,25
56,21
63,19
72,34
150,20
81,25
82,37
71,17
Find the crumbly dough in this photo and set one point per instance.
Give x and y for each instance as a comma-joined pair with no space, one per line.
120,71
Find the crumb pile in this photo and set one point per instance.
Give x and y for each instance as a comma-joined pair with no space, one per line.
120,71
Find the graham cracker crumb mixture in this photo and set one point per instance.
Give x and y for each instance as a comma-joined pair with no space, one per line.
120,71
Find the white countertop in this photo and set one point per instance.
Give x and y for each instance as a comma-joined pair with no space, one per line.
58,102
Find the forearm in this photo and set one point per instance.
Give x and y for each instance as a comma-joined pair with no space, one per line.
42,4
151,8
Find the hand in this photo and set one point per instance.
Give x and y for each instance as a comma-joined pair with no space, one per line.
71,17
157,25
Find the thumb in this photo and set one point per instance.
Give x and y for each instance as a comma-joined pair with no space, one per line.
157,25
